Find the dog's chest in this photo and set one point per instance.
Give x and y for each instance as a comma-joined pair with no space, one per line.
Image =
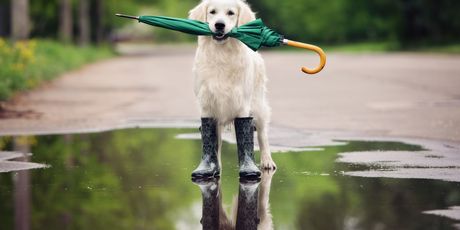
223,91
222,85
227,77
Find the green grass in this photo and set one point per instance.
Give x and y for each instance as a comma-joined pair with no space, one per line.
380,47
25,65
363,47
449,49
370,47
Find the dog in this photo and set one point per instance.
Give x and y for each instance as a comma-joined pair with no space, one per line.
230,78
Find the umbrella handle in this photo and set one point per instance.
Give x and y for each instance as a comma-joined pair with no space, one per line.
319,51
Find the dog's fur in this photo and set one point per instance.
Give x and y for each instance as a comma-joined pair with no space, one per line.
230,78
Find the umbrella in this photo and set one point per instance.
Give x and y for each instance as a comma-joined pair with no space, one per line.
253,34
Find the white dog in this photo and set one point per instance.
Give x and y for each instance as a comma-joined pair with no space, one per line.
230,78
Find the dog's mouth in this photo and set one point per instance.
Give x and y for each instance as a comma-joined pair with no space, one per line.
219,36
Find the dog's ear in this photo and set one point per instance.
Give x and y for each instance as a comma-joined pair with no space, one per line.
245,15
199,12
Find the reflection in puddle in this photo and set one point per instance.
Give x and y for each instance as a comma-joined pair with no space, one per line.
452,213
140,179
250,209
439,163
19,158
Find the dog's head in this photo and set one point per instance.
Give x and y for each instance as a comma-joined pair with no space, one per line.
222,16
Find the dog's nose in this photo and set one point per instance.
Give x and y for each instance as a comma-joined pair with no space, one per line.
219,26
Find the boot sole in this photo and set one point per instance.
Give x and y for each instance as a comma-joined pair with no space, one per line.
204,176
204,180
250,175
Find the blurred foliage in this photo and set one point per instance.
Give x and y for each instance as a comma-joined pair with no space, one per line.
45,15
140,179
406,23
25,64
16,60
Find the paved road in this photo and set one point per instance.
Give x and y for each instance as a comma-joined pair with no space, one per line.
388,95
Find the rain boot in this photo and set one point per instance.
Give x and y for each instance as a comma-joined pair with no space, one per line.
209,165
245,141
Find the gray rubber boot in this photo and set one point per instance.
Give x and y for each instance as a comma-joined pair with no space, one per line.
209,165
245,141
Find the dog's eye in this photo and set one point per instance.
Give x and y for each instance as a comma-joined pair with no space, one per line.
212,12
230,13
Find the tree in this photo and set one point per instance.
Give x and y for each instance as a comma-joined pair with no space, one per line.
99,20
65,22
84,25
20,22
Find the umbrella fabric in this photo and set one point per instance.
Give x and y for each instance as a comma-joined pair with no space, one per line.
254,34
183,25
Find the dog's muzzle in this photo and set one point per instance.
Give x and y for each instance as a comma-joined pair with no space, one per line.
219,36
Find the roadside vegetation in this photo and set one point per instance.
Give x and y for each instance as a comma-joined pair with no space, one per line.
26,64
379,47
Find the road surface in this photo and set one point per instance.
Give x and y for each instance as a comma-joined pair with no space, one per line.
386,95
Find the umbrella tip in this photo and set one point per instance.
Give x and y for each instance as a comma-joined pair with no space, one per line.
127,16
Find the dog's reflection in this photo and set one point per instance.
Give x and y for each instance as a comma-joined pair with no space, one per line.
250,210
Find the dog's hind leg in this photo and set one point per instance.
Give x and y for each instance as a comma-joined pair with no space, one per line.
266,161
220,130
265,216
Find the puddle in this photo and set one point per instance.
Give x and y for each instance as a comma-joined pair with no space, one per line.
140,179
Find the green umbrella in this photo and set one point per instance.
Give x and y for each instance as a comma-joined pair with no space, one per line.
253,34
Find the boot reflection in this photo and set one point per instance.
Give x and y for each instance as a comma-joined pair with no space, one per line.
246,217
213,215
251,209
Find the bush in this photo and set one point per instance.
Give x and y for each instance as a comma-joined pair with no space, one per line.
26,64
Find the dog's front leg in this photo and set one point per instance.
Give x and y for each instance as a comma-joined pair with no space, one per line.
266,161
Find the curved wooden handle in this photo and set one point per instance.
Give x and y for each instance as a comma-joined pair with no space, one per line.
319,51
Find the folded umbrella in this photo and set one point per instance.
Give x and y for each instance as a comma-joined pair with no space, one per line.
253,34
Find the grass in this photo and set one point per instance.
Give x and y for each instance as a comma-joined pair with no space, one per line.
370,47
361,47
26,64
381,47
449,49
364,47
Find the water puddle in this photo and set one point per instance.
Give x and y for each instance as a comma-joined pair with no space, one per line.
140,179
